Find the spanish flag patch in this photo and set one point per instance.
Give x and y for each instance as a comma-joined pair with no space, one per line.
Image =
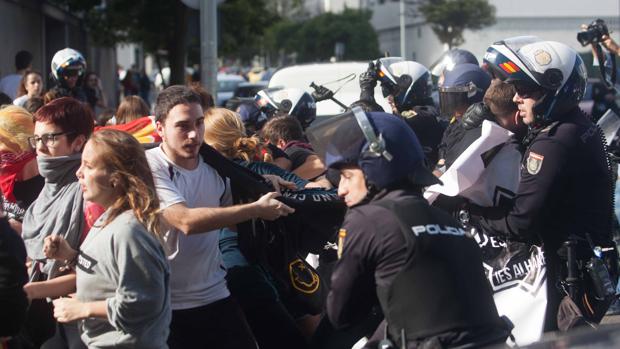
509,67
341,235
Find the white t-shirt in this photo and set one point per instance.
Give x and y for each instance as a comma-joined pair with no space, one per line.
9,85
20,101
196,269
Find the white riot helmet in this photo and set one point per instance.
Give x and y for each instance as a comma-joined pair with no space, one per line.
67,62
532,64
292,101
408,82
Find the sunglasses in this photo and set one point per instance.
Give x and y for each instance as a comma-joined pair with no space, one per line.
527,90
72,72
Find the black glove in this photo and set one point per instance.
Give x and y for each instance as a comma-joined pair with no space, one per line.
475,115
368,79
321,93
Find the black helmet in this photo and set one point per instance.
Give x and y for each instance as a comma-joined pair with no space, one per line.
463,86
408,82
380,144
551,67
292,101
451,59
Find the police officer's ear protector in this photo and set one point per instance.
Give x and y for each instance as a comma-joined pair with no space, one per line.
552,78
404,81
286,105
376,145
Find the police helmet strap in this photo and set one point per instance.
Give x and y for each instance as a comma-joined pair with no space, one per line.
376,145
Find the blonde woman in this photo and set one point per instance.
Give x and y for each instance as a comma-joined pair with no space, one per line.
225,132
20,182
122,273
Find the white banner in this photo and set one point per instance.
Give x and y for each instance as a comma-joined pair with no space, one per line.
485,173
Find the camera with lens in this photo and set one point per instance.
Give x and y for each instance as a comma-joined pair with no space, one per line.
594,33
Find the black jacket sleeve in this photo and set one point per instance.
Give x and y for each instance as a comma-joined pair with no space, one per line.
13,277
542,164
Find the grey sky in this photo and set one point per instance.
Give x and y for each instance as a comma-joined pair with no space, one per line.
559,8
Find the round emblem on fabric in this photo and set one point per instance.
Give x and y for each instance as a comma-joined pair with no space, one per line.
542,57
303,278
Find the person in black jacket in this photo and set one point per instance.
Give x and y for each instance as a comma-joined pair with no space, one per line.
462,87
394,249
566,187
13,277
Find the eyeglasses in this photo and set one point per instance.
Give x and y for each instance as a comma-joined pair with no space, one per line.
47,139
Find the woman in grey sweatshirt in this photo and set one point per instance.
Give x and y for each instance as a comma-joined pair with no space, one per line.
122,271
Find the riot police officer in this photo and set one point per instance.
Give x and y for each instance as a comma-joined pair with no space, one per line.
566,187
394,247
407,85
68,68
462,86
293,102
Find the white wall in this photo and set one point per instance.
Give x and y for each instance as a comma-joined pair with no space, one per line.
127,55
22,30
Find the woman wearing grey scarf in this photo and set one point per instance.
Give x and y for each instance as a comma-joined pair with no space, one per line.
61,130
57,210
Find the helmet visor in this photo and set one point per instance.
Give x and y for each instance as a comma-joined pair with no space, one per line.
388,73
337,140
451,102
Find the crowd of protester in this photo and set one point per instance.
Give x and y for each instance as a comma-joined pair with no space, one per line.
188,225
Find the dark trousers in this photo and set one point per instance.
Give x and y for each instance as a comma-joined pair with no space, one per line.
327,337
217,325
67,336
271,323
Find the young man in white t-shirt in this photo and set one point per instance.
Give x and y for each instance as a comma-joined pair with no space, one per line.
195,202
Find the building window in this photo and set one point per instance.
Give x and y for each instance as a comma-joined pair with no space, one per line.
413,56
419,32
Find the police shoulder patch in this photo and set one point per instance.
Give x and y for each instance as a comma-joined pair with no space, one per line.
534,163
341,235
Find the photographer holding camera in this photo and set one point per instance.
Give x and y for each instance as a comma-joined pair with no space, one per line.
597,34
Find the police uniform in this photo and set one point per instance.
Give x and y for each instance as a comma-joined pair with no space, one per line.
566,188
423,120
424,270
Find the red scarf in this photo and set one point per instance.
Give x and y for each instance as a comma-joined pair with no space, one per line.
11,165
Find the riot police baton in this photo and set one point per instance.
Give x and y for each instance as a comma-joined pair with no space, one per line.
322,93
572,277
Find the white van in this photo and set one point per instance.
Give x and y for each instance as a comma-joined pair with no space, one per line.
347,90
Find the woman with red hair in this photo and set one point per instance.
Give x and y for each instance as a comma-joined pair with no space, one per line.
60,132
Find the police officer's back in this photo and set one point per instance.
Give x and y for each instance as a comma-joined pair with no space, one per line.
566,187
424,270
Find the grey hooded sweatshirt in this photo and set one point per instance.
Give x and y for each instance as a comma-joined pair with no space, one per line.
123,264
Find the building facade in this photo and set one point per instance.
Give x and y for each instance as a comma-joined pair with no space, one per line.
42,28
557,20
